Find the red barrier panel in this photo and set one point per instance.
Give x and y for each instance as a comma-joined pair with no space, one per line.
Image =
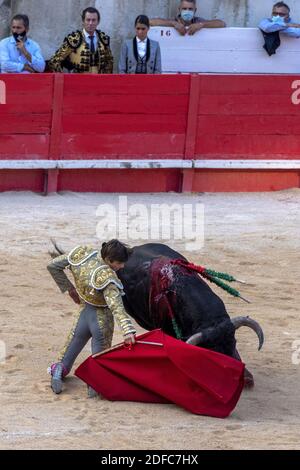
124,116
185,118
22,180
247,117
108,181
25,119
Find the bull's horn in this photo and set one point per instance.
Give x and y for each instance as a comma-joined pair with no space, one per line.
195,339
247,321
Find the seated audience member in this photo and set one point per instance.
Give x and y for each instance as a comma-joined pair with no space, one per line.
280,21
84,51
186,22
140,54
18,53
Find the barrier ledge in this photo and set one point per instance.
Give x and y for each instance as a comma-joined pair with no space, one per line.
149,164
247,164
94,164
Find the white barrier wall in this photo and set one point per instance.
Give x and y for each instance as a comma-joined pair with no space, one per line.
225,50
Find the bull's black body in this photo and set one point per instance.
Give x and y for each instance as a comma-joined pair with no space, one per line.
196,307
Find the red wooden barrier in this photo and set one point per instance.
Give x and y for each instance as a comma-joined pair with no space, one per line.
25,119
222,119
124,117
246,117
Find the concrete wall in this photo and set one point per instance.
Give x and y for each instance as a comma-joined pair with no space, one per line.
52,20
5,11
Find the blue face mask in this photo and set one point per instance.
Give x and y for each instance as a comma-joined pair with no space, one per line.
278,19
187,15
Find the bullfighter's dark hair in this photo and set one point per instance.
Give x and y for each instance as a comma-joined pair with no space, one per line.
23,18
190,1
282,4
142,19
90,10
114,250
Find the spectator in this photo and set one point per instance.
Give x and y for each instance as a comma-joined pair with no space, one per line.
280,21
140,55
18,53
186,22
85,51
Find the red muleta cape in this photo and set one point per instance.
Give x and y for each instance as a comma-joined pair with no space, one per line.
201,381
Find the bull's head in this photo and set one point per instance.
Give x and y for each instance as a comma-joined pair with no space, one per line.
206,335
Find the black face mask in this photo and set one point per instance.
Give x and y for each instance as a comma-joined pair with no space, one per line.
19,37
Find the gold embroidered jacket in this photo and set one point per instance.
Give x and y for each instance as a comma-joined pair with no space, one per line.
96,283
75,55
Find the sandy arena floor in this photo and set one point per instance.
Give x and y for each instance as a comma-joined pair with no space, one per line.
253,236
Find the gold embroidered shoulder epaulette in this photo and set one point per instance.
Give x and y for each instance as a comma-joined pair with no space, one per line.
104,38
80,254
74,39
103,276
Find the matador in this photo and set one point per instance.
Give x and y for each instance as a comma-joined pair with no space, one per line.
99,292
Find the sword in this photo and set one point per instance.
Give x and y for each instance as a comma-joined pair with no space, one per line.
149,342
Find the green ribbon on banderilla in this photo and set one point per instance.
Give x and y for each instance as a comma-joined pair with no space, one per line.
213,276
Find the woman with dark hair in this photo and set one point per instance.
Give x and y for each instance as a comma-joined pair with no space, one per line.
98,290
140,54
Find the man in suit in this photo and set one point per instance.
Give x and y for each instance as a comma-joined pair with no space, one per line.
186,22
84,51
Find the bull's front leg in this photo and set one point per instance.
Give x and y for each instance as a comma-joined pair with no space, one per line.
248,377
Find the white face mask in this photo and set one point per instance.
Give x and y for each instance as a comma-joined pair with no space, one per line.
187,15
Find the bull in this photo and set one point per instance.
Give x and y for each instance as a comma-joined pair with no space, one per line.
162,294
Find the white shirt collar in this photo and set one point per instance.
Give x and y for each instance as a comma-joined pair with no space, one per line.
139,40
87,35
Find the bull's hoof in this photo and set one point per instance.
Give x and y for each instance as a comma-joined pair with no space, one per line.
248,383
248,379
